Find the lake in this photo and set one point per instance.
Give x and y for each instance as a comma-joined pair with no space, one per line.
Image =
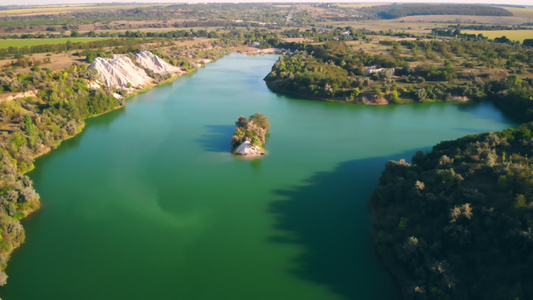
148,202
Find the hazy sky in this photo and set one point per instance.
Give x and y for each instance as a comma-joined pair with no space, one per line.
42,2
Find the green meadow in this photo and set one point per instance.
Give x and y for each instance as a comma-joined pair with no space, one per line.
514,35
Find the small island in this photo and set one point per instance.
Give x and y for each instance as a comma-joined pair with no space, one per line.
250,136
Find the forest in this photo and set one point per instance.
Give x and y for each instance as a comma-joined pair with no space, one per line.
401,10
456,223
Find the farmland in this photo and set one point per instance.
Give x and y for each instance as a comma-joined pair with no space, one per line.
56,9
513,35
525,12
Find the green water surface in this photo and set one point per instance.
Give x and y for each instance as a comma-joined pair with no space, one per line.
148,203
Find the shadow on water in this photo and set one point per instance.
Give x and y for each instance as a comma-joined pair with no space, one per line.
488,111
218,139
329,218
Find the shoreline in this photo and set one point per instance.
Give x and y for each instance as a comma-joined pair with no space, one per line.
248,156
354,102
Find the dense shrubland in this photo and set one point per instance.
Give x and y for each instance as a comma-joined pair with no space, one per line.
457,222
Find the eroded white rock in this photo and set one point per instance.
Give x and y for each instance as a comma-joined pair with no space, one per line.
120,72
153,62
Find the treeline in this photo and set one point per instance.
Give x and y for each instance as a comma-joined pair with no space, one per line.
19,52
130,40
488,27
457,222
402,10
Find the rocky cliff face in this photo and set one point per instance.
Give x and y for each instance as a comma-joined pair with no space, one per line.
119,71
152,62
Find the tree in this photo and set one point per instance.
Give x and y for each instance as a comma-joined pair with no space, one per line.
394,96
421,94
256,142
241,121
520,201
260,120
75,33
28,126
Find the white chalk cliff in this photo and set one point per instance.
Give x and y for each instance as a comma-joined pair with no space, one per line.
119,71
153,62
247,149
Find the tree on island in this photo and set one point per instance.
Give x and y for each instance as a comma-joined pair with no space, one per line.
251,132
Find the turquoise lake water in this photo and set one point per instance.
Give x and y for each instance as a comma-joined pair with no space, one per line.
148,203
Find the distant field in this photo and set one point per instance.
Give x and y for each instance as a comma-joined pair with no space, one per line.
42,9
520,12
359,5
36,42
514,35
460,19
66,8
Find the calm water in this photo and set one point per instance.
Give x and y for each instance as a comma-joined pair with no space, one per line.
148,204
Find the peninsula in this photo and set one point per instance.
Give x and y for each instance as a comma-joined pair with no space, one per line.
407,71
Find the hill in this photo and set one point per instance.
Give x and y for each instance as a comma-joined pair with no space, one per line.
394,11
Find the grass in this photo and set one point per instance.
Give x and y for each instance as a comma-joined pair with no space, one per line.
514,35
37,42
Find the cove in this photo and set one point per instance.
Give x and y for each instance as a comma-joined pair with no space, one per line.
148,203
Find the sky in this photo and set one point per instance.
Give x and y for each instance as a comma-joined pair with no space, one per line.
45,2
